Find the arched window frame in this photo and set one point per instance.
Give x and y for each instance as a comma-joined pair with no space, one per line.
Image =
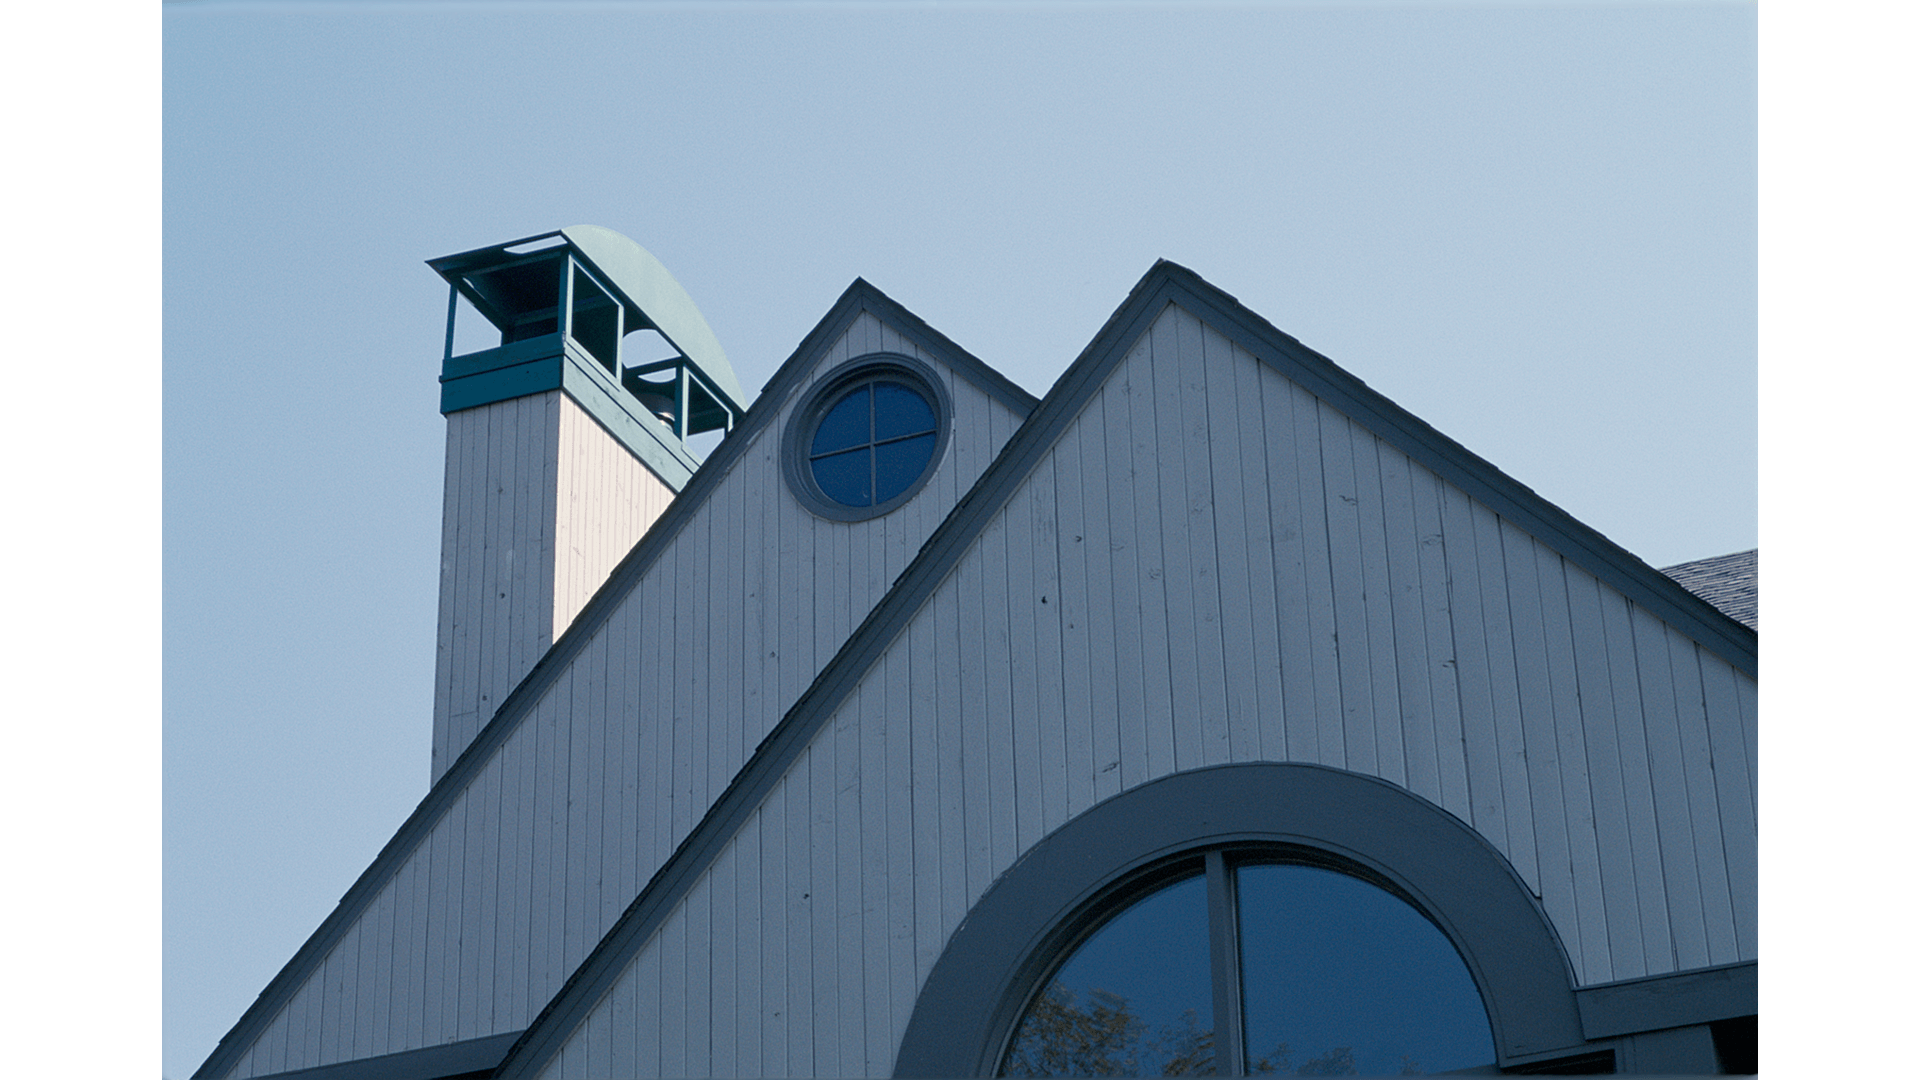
1053,897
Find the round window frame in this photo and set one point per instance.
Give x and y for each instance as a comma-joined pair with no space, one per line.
804,421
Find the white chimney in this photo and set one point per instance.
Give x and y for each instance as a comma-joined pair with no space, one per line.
559,455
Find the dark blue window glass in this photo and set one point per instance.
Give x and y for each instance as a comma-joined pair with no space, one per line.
1135,1000
846,478
1338,977
898,412
874,444
848,424
1342,977
896,465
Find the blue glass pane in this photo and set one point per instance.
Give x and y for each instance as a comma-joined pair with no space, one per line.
846,478
899,411
1342,977
1135,1000
847,424
898,464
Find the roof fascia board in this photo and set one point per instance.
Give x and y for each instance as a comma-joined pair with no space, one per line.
1665,598
426,1063
916,330
1165,283
785,383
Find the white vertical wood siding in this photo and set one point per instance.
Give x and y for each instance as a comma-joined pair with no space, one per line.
1210,565
541,503
625,753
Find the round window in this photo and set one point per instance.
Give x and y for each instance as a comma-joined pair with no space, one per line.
867,439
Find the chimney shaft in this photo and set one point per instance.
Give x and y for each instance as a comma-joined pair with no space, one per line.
560,455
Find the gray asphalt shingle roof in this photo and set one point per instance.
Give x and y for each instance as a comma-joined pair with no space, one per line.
1728,582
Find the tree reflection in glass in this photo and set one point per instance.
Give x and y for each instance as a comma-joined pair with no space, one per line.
1338,977
1135,1000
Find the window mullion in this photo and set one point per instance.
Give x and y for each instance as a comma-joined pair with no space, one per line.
1223,937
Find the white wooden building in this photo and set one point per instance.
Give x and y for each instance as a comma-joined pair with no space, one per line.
833,754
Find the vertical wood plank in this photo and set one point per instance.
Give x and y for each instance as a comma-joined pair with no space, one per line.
1349,593
1576,787
551,921
374,996
924,790
676,995
1176,621
1540,757
1600,723
719,939
450,538
1066,758
410,1024
648,996
1737,817
903,983
1123,544
743,934
1636,783
1320,628
1150,622
992,581
975,764
864,798
1245,548
1300,737
822,912
504,882
1437,588
1063,641
439,927
1749,694
1496,612
1489,812
1376,602
1703,807
518,966
775,937
336,1010
1403,595
951,744
1192,557
1024,611
1668,768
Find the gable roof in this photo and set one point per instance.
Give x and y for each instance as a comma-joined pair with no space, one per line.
1165,283
1728,582
859,297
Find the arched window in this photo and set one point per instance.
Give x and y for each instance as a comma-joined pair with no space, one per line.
1305,903
1253,960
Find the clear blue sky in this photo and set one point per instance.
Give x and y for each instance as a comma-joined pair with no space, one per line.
1531,224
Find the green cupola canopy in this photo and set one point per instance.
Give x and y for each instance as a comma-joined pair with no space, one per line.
579,291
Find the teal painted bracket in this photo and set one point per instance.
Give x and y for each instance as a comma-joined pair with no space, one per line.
538,365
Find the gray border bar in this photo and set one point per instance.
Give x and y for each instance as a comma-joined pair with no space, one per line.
1664,1001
